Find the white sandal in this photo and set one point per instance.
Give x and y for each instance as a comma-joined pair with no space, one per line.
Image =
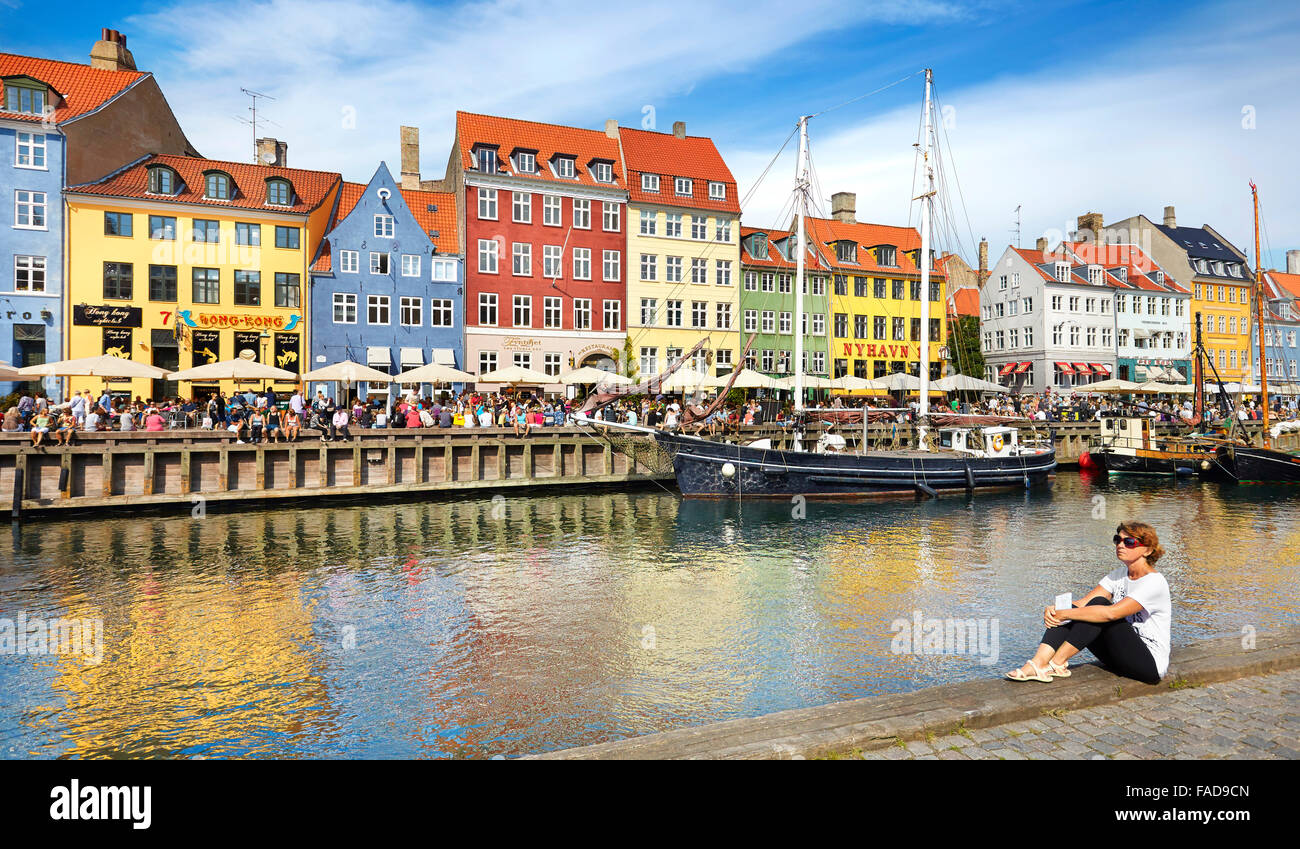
1018,675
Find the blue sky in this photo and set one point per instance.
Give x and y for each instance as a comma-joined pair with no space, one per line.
1060,107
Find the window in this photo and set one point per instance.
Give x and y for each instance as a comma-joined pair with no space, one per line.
162,283
523,311
767,359
527,162
248,288
717,191
887,256
1014,337
29,210
487,205
551,215
649,361
117,280
582,213
699,227
786,323
722,272
723,231
784,283
564,167
162,181
723,359
673,224
551,313
206,231
841,324
582,313
611,267
1057,300
345,308
699,314
552,262
286,289
915,287
410,265
723,315
485,159
278,192
206,285
751,281
649,266
552,366
818,323
162,227
682,186
522,360
383,226
251,234
879,328
751,321
521,259
648,308
1029,337
769,321
521,208
900,330
650,183
440,314
347,261
487,361
611,217
673,269
768,281
604,172
648,218
24,98
613,315
487,309
378,262
287,237
118,224
582,263
699,270
217,187
377,309
29,274
487,256
1105,337
30,152
673,313
444,270
916,330
898,290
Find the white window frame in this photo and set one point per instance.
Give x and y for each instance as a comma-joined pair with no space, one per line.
649,222
552,262
552,208
552,312
683,187
488,259
348,302
611,217
31,205
722,272
565,167
442,308
32,146
349,262
488,301
582,263
521,259
612,315
612,266
382,303
603,172
717,191
410,265
650,263
383,226
723,315
375,256
581,214
521,307
447,267
650,183
582,313
526,163
33,265
410,311
487,204
521,207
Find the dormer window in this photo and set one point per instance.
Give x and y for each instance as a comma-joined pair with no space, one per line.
1122,273
1063,272
526,162
26,97
887,255
485,159
1094,275
717,191
1218,269
682,186
564,167
603,172
279,192
1159,276
650,183
216,186
847,251
162,181
759,246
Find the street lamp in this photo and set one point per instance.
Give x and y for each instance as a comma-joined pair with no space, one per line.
266,338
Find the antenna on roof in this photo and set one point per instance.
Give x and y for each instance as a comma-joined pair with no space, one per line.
253,122
1016,229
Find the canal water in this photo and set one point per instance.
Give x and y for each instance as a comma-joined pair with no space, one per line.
501,626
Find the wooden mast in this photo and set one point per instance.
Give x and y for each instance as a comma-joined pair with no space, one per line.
1259,318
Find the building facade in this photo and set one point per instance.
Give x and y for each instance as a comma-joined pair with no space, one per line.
683,251
768,266
1281,325
544,216
180,261
386,288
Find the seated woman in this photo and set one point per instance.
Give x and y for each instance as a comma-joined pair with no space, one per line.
1124,621
153,420
40,427
292,425
256,422
274,425
67,431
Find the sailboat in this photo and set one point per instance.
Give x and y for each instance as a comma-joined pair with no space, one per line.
964,455
1241,463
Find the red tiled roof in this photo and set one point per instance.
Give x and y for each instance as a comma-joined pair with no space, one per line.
1130,257
546,139
694,157
1078,270
866,236
774,258
1289,283
310,188
443,222
82,87
964,302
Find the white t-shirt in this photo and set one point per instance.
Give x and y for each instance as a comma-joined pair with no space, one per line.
1152,624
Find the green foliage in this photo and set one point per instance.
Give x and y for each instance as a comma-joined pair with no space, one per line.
631,368
735,398
964,346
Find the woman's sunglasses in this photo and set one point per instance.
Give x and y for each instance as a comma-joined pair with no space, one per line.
1129,542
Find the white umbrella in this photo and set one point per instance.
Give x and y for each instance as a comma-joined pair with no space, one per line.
105,365
1156,387
850,383
8,372
810,381
236,369
600,377
747,379
349,372
900,382
684,379
514,374
966,383
1113,384
435,373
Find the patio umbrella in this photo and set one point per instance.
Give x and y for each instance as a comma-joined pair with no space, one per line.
810,381
514,375
435,373
600,377
852,383
349,372
900,382
106,366
966,383
1113,384
8,372
684,379
747,379
236,369
1156,387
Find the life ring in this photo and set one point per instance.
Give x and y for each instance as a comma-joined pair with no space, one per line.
997,442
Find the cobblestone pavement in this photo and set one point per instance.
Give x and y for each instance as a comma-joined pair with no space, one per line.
1250,718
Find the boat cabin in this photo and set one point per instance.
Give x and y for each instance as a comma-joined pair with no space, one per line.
1125,433
981,441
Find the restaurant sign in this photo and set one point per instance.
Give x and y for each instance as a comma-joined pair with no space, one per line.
89,315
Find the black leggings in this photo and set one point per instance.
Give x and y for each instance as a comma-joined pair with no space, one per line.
1115,644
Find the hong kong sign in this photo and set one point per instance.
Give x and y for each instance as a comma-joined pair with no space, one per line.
106,316
253,321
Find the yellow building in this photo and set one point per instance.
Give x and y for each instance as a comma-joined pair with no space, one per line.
875,297
683,227
179,261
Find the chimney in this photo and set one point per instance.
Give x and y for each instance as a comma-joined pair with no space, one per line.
1041,245
679,129
272,152
1170,221
410,137
984,263
1293,262
844,207
110,53
611,128
1090,227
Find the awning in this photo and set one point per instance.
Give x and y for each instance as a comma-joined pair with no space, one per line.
1175,375
1100,368
378,357
412,357
1065,368
1082,368
1024,367
444,357
1006,369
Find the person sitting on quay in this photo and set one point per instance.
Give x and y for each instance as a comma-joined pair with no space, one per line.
339,425
13,421
40,427
256,423
1124,621
94,419
66,424
153,420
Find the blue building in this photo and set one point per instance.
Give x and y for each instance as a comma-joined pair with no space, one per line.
387,285
1281,329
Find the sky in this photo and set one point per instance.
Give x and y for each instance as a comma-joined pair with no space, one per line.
1058,108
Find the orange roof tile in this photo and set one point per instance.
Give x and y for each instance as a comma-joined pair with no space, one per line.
81,87
828,230
1129,257
546,140
442,222
774,258
310,188
1290,283
693,157
964,302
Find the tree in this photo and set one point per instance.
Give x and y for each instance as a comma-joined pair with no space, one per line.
631,368
964,346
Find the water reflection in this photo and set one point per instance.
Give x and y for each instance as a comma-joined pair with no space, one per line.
479,627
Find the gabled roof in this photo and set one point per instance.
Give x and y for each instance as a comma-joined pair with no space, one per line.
964,302
774,259
1200,242
82,87
310,188
509,134
826,231
1283,284
1141,269
692,157
442,221
1045,266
